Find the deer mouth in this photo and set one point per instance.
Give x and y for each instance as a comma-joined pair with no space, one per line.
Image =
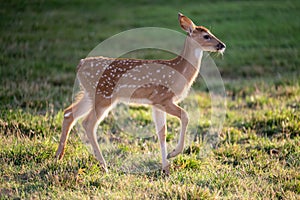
220,48
221,51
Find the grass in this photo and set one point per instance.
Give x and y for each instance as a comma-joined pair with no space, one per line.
259,149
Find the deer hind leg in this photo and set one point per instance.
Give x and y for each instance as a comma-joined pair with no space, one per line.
71,115
159,118
178,112
90,124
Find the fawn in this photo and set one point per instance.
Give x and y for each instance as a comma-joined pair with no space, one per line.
158,83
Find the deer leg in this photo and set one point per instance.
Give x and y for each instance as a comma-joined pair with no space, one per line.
177,111
71,115
159,118
90,124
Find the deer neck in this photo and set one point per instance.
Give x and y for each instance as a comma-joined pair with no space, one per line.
192,52
190,59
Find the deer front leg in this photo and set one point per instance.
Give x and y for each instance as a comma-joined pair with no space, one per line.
159,118
177,111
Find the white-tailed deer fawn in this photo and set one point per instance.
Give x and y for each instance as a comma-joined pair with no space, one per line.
158,83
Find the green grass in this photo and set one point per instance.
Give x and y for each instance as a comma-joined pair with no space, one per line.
259,149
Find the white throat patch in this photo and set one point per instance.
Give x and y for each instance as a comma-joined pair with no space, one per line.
198,52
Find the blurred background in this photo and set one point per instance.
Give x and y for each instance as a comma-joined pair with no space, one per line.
42,41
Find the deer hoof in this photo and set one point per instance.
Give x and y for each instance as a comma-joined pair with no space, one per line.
172,154
103,168
166,170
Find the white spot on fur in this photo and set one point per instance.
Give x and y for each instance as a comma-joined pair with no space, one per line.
68,114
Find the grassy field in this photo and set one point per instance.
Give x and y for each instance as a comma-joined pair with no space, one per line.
258,156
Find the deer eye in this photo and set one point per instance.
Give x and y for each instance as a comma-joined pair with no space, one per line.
206,37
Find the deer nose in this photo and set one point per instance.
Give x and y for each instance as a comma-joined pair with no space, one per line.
221,46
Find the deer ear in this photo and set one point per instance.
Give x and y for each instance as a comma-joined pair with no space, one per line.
186,24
